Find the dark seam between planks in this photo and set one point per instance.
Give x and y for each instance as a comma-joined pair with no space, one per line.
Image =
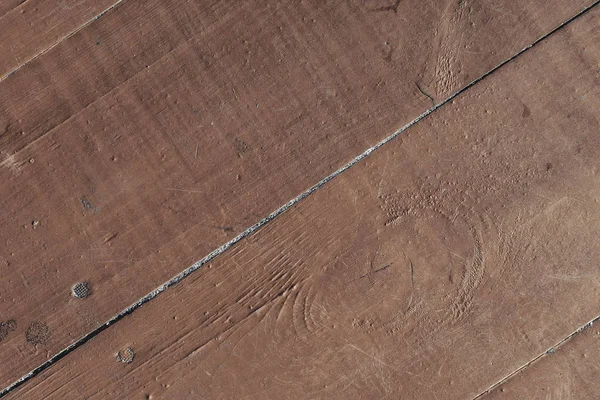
212,255
550,350
41,53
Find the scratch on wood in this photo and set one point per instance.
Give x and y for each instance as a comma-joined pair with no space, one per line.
375,271
412,284
425,94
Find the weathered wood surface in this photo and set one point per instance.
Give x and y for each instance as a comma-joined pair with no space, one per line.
30,27
163,129
431,270
570,372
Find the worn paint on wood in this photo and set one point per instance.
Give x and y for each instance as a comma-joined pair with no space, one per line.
432,269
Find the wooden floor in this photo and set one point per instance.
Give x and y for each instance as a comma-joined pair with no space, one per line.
299,199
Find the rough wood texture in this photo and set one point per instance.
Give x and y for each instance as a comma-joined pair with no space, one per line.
571,372
160,131
28,28
431,270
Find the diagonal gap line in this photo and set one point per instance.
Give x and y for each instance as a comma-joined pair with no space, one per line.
536,358
220,250
67,36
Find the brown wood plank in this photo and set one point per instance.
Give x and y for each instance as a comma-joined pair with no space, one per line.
8,5
28,28
430,270
151,137
570,372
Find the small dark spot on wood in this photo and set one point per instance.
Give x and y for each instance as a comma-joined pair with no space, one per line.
6,328
240,146
549,166
392,7
391,220
4,127
38,333
87,205
224,228
388,57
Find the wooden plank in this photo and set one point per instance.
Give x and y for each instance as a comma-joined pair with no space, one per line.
570,372
430,270
8,5
28,28
150,138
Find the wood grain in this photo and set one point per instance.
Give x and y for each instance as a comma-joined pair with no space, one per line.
431,270
146,140
570,372
30,27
